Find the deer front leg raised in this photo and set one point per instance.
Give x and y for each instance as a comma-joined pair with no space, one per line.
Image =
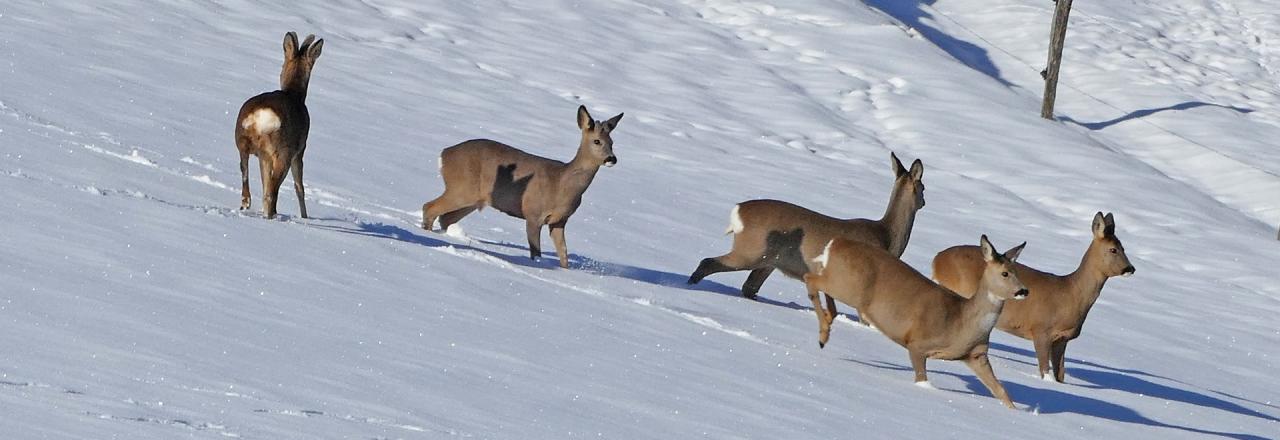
981,366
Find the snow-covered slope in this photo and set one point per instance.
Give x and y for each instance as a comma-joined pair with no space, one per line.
137,302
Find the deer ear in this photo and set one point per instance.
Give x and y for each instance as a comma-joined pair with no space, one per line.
1012,254
988,251
307,41
612,123
313,51
290,45
917,170
898,169
584,119
1099,226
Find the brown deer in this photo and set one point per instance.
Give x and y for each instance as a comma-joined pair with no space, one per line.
770,234
928,320
274,126
1055,312
541,191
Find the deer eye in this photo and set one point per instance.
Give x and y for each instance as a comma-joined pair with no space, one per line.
1113,250
1004,274
597,142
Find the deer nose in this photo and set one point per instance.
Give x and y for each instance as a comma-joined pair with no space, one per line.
1021,293
610,161
1128,271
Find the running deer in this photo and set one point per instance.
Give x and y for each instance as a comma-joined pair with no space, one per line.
770,234
274,126
1054,315
928,320
541,191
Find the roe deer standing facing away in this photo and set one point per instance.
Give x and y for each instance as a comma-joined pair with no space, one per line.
274,126
1054,315
929,320
770,234
541,191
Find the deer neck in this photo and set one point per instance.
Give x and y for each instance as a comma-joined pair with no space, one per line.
579,172
983,309
899,217
1087,280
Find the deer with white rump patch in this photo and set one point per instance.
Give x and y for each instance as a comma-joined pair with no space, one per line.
929,320
541,191
1054,314
770,234
274,126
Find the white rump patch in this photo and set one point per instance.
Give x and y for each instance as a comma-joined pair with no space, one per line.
440,163
825,257
261,121
926,385
735,222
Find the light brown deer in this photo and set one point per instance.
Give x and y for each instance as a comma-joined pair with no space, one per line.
274,126
929,320
1055,312
541,191
770,234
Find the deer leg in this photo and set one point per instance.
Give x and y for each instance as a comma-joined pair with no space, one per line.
1043,350
729,262
917,364
982,367
244,179
1058,357
557,238
824,324
278,169
268,202
440,206
755,280
831,309
533,228
454,216
297,184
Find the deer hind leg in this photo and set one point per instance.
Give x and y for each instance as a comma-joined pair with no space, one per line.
558,239
756,279
297,184
1058,357
824,322
747,254
449,218
244,174
533,228
445,204
981,366
831,310
1043,351
277,169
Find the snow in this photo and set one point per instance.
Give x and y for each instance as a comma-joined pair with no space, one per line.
139,303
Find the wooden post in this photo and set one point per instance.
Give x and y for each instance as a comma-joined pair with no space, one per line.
1057,37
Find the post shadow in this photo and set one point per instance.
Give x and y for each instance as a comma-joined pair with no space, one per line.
911,13
1048,401
1136,114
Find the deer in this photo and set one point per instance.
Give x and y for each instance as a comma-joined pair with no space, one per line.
1054,315
929,320
772,234
273,126
482,172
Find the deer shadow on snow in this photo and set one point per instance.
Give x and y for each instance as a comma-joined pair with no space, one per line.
912,14
1137,114
1050,401
1098,376
578,262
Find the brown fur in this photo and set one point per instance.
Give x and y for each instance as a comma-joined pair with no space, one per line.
281,148
763,219
1054,314
481,172
928,320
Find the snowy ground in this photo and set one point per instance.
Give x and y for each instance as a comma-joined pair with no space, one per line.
137,302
